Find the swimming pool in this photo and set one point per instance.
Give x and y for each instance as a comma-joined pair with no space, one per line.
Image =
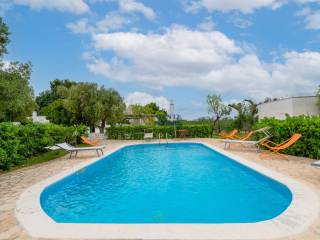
174,183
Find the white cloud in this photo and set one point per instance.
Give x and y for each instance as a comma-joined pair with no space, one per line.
143,99
5,5
307,1
206,25
205,60
311,17
313,21
135,6
112,21
244,6
239,21
81,26
191,6
73,6
304,12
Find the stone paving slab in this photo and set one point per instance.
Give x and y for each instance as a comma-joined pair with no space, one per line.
13,183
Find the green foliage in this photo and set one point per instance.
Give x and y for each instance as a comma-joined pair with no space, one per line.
57,113
309,127
137,132
111,106
58,89
4,37
162,117
51,102
68,102
217,109
247,114
19,142
318,95
16,95
82,102
149,112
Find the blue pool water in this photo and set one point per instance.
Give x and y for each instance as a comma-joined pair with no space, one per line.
175,183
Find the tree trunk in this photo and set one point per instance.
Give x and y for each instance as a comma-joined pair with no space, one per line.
102,126
213,125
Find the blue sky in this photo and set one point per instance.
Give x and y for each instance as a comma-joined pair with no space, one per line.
179,50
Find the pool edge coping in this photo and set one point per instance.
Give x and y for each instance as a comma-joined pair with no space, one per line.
297,218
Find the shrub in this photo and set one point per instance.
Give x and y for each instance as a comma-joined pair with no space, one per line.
19,142
309,127
136,132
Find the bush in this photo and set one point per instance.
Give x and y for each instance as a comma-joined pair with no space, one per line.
19,142
309,127
137,132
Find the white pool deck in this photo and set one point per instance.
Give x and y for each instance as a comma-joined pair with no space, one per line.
296,219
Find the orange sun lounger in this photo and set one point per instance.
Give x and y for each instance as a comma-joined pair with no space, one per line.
89,141
245,137
229,135
277,148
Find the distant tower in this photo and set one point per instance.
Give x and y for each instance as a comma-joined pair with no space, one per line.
172,117
172,110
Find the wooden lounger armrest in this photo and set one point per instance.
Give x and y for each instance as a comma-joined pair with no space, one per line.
273,143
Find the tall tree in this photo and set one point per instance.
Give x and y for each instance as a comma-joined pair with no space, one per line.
4,37
161,114
16,95
51,102
82,102
217,109
247,114
111,106
58,89
149,112
252,113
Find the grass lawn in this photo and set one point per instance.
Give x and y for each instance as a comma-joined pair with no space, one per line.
44,157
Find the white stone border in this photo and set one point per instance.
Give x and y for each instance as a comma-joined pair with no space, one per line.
297,218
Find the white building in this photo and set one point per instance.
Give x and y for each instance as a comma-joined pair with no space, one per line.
293,106
38,119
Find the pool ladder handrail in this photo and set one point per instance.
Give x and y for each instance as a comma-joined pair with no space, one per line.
165,138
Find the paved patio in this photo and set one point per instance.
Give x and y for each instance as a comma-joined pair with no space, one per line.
12,184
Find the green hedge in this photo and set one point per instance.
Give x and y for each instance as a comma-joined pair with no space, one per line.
309,127
136,132
19,142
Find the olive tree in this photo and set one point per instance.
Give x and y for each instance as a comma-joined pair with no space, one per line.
111,106
247,114
217,109
82,102
16,94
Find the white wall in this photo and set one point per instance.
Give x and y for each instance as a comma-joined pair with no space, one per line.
305,106
293,106
277,109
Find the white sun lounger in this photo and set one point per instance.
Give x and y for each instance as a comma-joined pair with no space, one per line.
148,134
316,164
228,142
71,149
